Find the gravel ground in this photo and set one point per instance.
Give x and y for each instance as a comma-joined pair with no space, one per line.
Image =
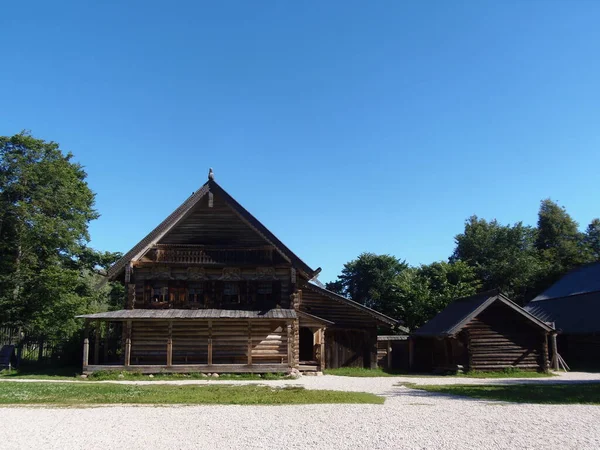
409,419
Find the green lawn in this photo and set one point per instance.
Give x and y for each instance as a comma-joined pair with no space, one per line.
93,394
588,393
42,373
360,372
125,375
513,373
72,373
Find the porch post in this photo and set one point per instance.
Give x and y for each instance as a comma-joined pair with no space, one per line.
554,351
86,344
411,353
170,345
389,355
249,343
322,349
106,336
97,343
127,361
210,345
290,349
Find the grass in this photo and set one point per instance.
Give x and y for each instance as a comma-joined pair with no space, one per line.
586,394
361,372
42,373
127,375
65,394
507,373
72,373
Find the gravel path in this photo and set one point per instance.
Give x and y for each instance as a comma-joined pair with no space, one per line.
409,419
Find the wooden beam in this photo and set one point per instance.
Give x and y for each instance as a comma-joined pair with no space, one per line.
411,353
249,343
554,352
170,345
187,368
290,349
97,342
106,336
389,355
210,344
322,362
128,344
86,353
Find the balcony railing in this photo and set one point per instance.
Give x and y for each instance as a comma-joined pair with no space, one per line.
202,255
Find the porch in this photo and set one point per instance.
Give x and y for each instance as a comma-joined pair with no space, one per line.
184,341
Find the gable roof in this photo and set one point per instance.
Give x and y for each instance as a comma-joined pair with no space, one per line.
461,311
581,280
181,212
574,314
382,318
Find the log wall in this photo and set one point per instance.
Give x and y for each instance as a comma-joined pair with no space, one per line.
350,348
230,342
500,337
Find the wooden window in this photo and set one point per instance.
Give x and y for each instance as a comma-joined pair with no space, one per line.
195,295
264,294
231,293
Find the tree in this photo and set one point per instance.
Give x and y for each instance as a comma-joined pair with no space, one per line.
45,208
503,256
559,241
592,240
369,280
424,291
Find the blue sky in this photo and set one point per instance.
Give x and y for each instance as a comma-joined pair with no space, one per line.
343,126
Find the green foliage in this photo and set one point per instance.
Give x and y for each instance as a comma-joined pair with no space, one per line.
424,291
221,394
559,242
369,280
592,240
519,260
47,274
503,256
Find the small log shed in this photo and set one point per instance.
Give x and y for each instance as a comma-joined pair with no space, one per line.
486,331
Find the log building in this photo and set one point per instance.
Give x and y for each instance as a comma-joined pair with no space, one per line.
573,305
486,331
211,289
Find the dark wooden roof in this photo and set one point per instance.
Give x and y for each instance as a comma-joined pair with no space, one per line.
575,314
314,318
379,317
180,213
581,280
461,311
392,337
187,314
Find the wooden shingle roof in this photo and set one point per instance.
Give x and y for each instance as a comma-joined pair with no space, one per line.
461,311
180,213
187,314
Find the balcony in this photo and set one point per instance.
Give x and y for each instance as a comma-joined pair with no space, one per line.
205,255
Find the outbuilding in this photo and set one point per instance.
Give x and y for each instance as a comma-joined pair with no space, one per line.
486,331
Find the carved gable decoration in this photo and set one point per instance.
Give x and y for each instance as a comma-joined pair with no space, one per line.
196,273
231,274
265,273
160,273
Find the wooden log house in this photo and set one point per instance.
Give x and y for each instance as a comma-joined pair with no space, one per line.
573,305
211,289
486,331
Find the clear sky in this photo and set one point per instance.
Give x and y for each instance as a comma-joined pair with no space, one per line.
343,126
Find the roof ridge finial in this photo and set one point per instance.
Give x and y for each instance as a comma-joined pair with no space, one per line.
211,175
